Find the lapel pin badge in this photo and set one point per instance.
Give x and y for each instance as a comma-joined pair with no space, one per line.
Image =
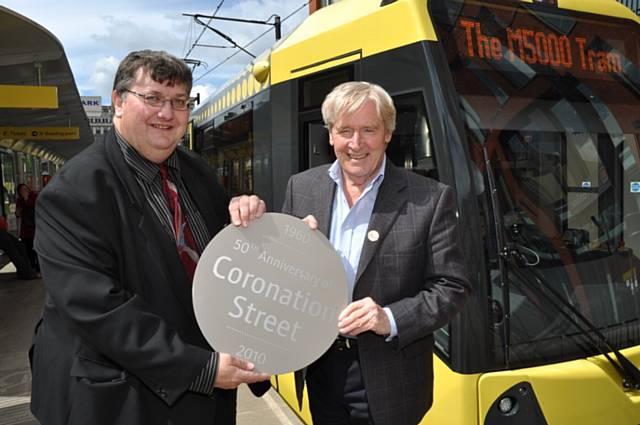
373,235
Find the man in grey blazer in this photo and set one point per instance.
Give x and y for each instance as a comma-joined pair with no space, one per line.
118,342
397,236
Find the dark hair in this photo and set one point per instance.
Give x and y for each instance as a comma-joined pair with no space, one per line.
161,66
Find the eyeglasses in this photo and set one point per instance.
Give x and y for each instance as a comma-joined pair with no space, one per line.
155,101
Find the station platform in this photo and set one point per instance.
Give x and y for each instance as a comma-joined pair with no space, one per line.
20,305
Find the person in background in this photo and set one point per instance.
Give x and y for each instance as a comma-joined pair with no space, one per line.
25,213
120,230
396,234
16,252
46,178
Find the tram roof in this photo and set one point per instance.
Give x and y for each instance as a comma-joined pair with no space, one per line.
364,28
346,31
31,56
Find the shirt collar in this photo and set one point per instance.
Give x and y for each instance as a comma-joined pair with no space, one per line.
146,169
335,172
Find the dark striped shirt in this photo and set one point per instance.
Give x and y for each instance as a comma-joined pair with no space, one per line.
147,174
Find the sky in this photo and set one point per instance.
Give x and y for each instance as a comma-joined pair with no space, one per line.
96,35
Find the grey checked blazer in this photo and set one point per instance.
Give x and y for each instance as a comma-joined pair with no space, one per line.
415,268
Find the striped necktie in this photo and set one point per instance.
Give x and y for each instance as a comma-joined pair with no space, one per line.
185,242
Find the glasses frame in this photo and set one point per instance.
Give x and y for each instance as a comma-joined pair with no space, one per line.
146,99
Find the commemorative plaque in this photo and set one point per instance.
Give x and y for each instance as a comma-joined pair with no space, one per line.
270,293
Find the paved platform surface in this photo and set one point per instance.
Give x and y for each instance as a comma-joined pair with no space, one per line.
20,304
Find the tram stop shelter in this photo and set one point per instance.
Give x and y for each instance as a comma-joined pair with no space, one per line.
41,113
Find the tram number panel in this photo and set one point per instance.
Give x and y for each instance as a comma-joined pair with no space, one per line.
536,47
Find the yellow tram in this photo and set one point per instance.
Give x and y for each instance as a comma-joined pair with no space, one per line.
531,112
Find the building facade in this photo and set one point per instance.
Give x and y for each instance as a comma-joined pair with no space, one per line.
100,117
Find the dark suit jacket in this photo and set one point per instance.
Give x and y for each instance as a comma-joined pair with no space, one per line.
118,342
415,268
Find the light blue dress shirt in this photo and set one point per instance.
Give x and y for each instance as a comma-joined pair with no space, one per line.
349,227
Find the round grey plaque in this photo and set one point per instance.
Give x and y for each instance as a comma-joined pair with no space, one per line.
270,293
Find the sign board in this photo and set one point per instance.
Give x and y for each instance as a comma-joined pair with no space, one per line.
270,293
533,46
91,103
22,96
40,133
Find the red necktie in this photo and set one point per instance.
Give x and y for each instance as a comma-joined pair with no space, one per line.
185,243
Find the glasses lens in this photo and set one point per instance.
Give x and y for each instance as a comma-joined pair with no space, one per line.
180,104
153,100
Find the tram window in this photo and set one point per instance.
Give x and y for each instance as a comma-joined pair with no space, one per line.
410,146
228,149
563,141
569,205
316,88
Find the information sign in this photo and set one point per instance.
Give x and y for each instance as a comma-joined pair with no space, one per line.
40,133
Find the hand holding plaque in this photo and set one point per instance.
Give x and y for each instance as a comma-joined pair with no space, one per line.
270,293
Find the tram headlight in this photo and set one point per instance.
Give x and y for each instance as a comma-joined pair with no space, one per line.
507,405
518,404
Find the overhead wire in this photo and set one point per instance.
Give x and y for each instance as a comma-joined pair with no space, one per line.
251,42
195,43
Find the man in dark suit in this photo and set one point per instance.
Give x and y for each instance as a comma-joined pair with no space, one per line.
120,229
396,233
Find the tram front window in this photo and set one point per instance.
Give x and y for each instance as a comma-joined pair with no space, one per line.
553,99
569,209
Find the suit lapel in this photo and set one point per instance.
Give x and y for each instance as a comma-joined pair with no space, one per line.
160,249
122,171
324,193
388,205
200,194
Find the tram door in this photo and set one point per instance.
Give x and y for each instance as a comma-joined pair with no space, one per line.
314,145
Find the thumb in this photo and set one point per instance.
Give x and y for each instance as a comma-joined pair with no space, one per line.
242,364
311,222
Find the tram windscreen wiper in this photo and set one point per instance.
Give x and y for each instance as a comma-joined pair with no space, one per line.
627,370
